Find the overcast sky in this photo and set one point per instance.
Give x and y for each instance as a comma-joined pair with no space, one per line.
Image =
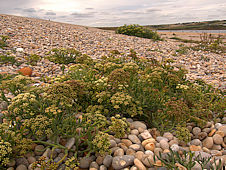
117,12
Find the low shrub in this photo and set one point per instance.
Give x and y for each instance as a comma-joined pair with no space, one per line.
138,31
3,41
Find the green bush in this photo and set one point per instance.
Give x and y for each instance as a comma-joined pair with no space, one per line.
138,31
3,40
32,59
6,59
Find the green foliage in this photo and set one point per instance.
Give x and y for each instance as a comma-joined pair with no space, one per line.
63,56
3,41
183,134
138,31
6,59
32,59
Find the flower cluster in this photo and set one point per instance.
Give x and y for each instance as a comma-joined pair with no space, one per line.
40,126
97,109
130,67
24,105
120,127
183,134
101,143
72,163
5,152
183,87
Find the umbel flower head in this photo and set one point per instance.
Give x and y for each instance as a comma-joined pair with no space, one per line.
101,143
5,152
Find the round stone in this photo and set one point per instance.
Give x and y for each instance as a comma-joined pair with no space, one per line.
168,135
195,148
86,161
134,132
223,129
94,165
31,159
138,124
127,142
202,135
157,150
208,142
21,167
134,139
107,160
120,162
148,152
221,133
146,135
150,146
131,151
26,71
113,143
216,147
119,152
135,147
39,150
139,155
175,147
145,142
196,142
164,144
217,139
148,160
159,138
218,125
196,130
22,161
100,160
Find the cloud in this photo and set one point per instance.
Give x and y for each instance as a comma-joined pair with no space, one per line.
29,10
50,13
83,15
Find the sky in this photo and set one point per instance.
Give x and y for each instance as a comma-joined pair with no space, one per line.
117,12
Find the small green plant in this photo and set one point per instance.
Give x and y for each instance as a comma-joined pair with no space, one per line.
6,59
183,134
3,41
32,59
137,30
63,56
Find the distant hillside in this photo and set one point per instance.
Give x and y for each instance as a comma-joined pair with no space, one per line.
205,25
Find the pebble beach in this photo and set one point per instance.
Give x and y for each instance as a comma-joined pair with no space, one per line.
136,150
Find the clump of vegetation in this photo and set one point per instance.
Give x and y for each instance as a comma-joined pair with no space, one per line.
138,31
183,134
63,56
185,160
32,59
7,59
90,102
3,41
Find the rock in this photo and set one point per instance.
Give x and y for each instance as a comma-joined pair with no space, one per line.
168,135
150,146
218,125
134,139
150,140
127,142
100,160
21,50
148,160
21,167
102,167
31,159
202,135
94,165
139,164
195,148
215,153
86,161
3,106
175,147
196,130
138,124
208,142
196,142
157,150
113,143
140,129
146,135
164,144
139,155
133,168
131,151
212,132
207,130
148,152
120,162
39,150
107,160
135,147
70,143
10,168
221,133
134,132
174,141
217,139
12,163
119,152
216,147
202,154
159,138
206,150
123,146
223,129
23,161
26,71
